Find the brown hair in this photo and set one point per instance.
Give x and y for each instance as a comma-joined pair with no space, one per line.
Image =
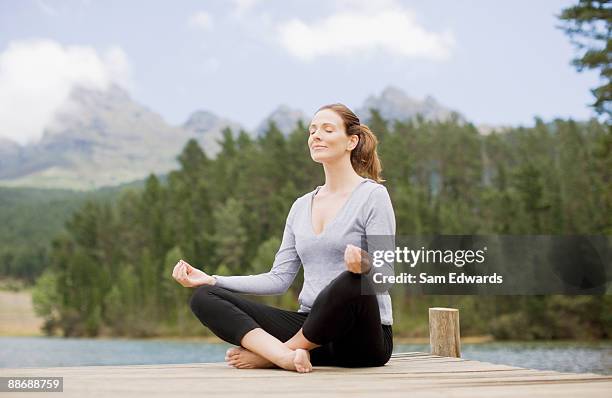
364,157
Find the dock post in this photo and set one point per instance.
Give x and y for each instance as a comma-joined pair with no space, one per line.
444,338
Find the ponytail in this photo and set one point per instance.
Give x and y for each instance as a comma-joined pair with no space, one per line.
364,157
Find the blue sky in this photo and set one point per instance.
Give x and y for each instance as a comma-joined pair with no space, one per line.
496,62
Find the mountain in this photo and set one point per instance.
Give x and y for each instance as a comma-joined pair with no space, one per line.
486,129
105,138
284,117
394,104
99,138
207,128
10,154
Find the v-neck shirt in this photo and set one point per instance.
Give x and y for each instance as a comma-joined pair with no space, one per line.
338,214
367,211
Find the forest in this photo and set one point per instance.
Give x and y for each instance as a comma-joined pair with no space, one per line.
108,272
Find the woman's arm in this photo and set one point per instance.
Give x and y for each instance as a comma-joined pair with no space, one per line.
380,231
276,281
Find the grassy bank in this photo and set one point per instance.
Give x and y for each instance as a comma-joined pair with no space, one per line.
17,317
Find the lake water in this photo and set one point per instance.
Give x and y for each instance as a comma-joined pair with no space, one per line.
19,352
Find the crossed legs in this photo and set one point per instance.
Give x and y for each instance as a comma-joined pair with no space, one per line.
262,350
271,337
267,336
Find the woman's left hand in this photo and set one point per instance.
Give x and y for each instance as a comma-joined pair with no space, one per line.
356,259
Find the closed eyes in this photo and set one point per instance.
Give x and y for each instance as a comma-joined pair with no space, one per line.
327,130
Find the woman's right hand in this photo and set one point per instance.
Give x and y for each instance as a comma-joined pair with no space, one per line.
189,276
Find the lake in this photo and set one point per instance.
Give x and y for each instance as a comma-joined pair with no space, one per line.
19,352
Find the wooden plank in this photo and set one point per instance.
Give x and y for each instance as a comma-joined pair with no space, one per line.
416,374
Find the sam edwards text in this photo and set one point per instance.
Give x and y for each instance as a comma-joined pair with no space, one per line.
424,278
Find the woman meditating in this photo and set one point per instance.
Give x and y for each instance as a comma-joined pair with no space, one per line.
342,319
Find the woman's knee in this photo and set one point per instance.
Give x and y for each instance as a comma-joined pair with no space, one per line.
348,277
350,283
346,287
200,296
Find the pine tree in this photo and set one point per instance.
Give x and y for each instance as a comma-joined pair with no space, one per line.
589,26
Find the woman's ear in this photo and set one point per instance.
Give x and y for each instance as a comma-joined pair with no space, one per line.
354,140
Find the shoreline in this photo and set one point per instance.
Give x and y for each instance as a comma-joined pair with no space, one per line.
397,340
17,319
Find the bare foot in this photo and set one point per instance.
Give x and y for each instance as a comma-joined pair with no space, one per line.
242,358
302,361
298,360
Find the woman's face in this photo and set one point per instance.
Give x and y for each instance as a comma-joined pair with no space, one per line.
327,137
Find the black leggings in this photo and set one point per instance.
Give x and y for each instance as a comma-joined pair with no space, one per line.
343,321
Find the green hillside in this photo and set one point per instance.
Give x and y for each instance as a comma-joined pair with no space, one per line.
31,217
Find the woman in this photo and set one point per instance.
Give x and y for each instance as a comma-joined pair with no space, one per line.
342,320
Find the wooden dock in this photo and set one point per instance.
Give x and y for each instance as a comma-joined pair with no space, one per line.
412,374
415,374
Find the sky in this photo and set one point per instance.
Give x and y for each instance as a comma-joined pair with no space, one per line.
496,62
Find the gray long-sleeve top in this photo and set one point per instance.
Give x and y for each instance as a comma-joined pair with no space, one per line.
367,212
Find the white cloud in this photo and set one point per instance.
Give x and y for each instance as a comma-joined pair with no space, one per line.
201,20
212,64
241,7
37,76
365,5
390,28
47,8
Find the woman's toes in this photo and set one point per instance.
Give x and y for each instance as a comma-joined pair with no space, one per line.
232,351
232,354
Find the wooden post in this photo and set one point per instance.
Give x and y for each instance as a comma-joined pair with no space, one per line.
444,338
